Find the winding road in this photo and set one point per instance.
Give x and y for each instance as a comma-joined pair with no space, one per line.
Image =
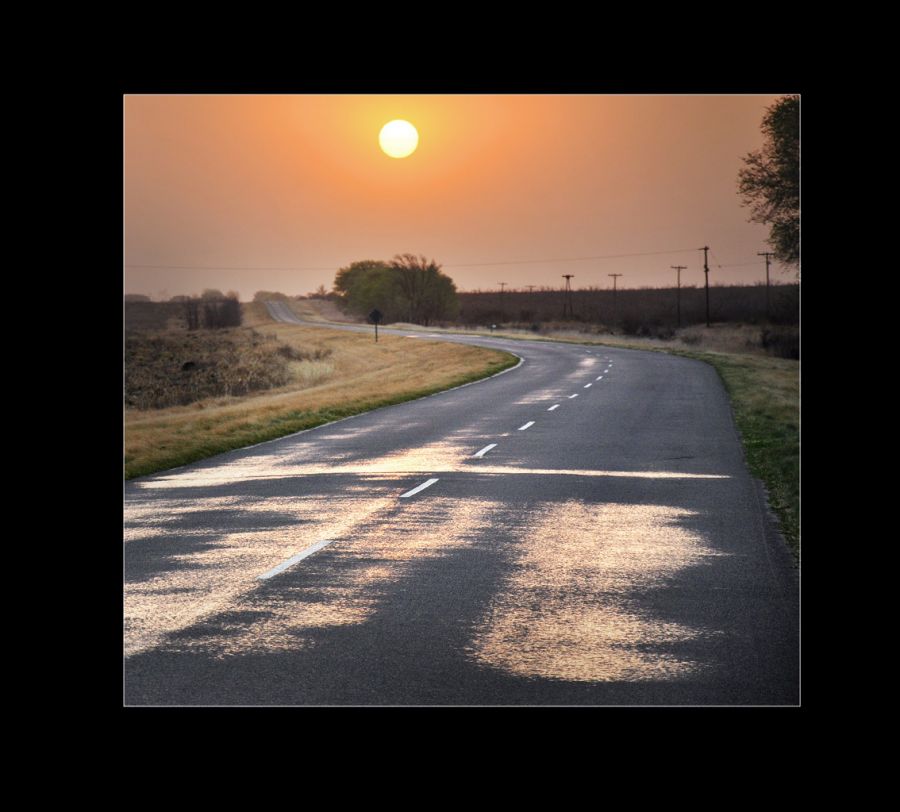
579,530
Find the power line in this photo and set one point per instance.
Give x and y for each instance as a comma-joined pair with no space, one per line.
448,265
221,268
567,259
705,251
567,302
457,265
767,255
679,269
615,277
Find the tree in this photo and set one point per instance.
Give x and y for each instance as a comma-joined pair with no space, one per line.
212,310
365,285
220,310
192,312
410,288
426,292
770,179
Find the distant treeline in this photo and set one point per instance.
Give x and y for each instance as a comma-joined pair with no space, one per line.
211,310
633,310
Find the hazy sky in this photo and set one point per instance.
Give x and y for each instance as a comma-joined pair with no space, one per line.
278,192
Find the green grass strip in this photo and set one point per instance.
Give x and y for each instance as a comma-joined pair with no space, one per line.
765,401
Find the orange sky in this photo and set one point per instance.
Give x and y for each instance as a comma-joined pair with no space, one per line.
249,186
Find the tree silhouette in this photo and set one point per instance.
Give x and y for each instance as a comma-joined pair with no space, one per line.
770,179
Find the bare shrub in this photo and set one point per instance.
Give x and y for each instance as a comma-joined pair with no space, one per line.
175,369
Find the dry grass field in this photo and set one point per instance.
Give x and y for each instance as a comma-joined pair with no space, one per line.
361,375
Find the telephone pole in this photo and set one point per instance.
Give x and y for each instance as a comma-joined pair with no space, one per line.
766,254
567,304
615,277
502,285
705,251
679,269
530,287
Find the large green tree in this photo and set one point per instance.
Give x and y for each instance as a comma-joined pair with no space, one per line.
409,288
770,179
366,285
426,291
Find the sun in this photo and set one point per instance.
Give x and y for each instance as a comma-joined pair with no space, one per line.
398,138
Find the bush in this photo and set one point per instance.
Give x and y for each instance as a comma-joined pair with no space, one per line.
781,342
176,369
631,326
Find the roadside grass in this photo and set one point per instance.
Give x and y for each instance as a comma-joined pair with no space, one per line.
765,400
363,376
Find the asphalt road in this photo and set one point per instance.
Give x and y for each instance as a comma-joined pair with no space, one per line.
588,535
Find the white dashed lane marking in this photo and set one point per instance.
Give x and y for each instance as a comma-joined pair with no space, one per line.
294,559
421,487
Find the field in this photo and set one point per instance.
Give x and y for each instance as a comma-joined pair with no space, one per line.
360,376
176,368
631,310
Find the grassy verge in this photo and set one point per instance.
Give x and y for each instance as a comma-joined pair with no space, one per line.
366,376
765,398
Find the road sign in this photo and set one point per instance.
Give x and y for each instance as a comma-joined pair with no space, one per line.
376,316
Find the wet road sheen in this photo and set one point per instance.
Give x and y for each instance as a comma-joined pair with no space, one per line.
615,551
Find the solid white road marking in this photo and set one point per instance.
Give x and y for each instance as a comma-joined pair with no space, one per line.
421,487
573,396
554,406
529,423
588,385
294,559
485,450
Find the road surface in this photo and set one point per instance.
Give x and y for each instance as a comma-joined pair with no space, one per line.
580,530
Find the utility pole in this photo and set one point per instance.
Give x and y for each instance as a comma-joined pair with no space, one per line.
705,251
766,254
615,277
567,304
679,269
530,287
502,285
